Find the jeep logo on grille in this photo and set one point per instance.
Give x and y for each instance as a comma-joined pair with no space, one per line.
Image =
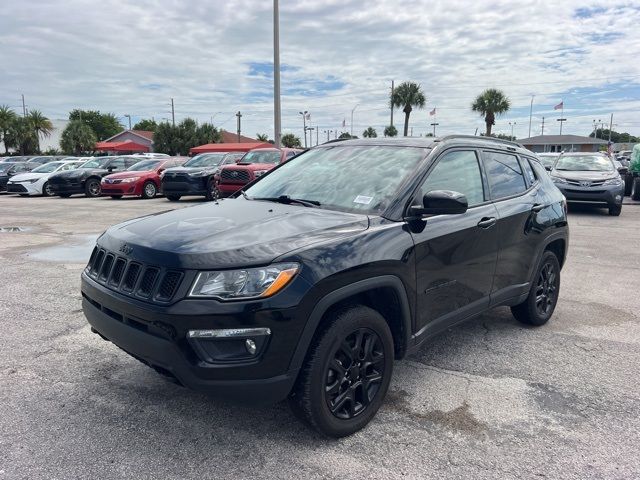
126,249
585,184
234,173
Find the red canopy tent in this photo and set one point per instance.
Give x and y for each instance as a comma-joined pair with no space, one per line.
126,146
229,147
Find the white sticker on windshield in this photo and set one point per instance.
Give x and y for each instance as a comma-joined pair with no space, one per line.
363,199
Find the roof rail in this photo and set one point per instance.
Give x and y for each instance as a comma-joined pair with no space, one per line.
481,137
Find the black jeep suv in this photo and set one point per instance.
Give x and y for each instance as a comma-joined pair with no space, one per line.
313,279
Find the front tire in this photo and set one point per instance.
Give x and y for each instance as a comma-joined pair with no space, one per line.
149,190
615,210
46,190
92,188
346,374
212,191
543,296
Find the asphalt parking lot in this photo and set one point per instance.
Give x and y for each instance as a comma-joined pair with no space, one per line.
490,399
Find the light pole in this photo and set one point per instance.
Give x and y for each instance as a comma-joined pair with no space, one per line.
129,117
304,125
328,132
512,125
277,117
353,110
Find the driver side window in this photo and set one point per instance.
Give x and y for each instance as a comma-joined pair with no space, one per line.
458,171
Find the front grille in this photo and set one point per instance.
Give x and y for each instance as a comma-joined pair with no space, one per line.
578,183
133,278
177,177
584,192
16,188
233,175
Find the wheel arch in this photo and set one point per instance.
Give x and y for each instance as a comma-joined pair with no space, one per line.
386,294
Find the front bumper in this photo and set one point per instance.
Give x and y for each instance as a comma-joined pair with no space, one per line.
120,188
68,187
158,336
609,195
25,188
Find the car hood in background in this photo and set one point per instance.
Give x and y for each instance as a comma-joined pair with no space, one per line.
227,234
23,177
170,171
584,175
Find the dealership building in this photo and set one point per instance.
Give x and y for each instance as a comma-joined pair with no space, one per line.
563,143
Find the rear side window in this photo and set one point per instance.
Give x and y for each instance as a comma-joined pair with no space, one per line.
504,174
458,171
528,171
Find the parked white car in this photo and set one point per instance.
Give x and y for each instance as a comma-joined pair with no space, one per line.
36,181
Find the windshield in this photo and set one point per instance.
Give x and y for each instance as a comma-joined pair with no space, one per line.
47,167
584,163
96,162
261,157
355,179
205,160
145,166
5,166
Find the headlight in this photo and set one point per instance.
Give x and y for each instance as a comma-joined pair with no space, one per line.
259,282
202,173
33,180
613,181
130,179
259,173
558,180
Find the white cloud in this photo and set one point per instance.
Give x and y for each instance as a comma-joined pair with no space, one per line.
128,57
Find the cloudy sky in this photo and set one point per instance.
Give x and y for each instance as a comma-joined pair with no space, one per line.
214,58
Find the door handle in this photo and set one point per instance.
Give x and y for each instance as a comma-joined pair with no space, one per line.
537,207
487,222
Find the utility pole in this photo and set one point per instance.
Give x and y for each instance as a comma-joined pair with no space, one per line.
411,132
304,125
353,110
328,132
311,129
277,116
239,115
512,125
542,134
173,114
530,116
610,127
561,119
391,102
24,108
434,124
317,135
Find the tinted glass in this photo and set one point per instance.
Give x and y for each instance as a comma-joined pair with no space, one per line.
96,163
528,171
117,164
47,167
504,174
589,163
5,166
205,160
548,160
357,179
458,171
145,166
261,157
231,158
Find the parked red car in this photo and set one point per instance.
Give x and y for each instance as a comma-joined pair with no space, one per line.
251,166
141,179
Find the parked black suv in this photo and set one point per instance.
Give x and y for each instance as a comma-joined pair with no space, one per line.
309,283
87,178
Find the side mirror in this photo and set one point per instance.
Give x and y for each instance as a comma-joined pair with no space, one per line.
622,170
441,202
548,169
160,170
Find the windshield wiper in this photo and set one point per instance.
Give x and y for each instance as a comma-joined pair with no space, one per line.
287,200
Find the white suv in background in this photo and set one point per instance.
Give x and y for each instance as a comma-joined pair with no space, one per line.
35,182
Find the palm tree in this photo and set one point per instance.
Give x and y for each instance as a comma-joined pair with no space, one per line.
263,137
77,137
7,117
490,103
289,140
406,96
40,125
370,133
390,131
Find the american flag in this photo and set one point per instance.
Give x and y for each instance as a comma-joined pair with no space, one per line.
308,116
344,122
433,112
559,106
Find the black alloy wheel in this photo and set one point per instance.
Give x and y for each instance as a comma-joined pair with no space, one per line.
354,374
543,294
347,372
92,188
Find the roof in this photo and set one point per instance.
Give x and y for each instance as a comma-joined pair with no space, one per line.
228,137
147,135
562,140
127,146
229,147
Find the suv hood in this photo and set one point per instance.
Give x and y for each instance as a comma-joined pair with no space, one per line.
231,233
189,170
584,175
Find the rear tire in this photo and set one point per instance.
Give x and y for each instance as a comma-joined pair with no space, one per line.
346,373
92,188
212,191
628,184
635,189
615,210
173,198
543,295
149,190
